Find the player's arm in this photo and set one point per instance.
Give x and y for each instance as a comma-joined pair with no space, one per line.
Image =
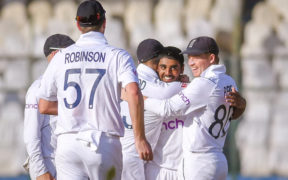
33,122
136,109
45,176
47,93
48,107
183,103
237,101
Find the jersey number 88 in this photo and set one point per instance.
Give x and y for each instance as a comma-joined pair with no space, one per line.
220,121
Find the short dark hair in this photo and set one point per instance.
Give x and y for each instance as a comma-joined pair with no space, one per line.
172,52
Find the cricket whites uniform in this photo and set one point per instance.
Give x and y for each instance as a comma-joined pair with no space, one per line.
204,134
39,135
168,152
151,86
86,79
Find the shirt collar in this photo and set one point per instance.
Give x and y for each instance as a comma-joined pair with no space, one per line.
92,37
213,70
144,70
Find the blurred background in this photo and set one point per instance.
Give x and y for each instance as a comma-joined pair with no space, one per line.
253,40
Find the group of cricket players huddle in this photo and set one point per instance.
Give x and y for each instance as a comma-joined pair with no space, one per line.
95,133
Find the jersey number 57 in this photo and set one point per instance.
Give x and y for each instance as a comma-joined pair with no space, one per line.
99,72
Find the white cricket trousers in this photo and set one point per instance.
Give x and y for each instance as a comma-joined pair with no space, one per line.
133,167
49,164
155,172
203,166
75,161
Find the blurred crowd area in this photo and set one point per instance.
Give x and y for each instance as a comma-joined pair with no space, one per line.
253,40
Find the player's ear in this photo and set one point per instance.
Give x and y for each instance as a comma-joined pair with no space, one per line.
103,27
212,58
79,27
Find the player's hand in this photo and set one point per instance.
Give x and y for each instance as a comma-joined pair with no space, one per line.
144,150
184,78
45,176
235,99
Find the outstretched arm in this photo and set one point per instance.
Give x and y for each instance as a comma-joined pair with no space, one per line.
237,101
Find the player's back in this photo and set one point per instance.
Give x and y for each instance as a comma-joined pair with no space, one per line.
88,76
207,131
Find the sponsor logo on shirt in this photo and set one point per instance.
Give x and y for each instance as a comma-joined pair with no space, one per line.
173,124
184,98
31,106
85,56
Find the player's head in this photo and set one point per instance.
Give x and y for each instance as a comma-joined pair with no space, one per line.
54,43
148,51
202,52
91,16
171,64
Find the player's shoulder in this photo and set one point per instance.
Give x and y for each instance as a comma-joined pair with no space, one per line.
34,87
121,52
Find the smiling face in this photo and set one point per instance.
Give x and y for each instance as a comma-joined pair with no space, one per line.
169,70
200,63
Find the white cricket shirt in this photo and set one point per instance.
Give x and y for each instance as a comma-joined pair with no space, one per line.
85,78
151,86
39,134
204,100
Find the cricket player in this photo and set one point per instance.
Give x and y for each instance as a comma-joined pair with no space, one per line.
167,153
204,100
147,54
39,129
86,80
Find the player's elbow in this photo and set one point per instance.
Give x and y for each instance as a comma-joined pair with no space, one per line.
48,107
42,107
132,89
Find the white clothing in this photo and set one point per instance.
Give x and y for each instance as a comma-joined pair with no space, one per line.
39,135
151,86
167,154
203,166
155,172
86,80
76,161
204,101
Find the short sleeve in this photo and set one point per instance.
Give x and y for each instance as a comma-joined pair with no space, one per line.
48,89
127,71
